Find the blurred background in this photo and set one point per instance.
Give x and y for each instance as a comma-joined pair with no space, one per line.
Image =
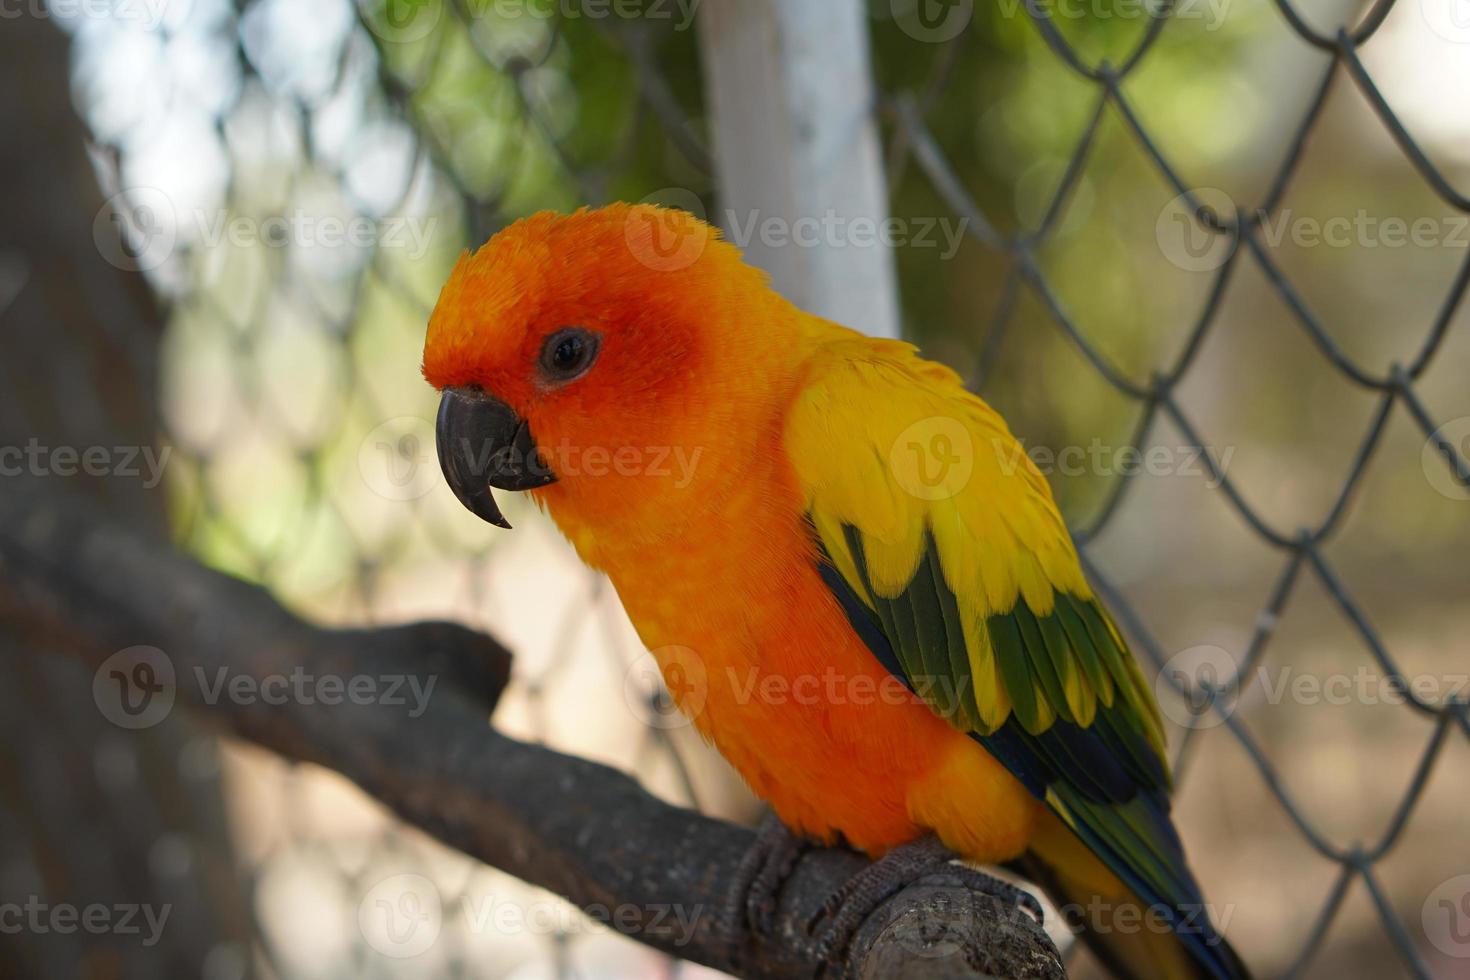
235,217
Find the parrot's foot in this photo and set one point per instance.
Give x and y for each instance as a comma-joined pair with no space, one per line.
759,877
835,925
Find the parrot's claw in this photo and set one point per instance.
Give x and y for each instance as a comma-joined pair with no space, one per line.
763,870
837,922
979,881
759,877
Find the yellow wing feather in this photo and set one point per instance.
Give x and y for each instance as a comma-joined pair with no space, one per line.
892,448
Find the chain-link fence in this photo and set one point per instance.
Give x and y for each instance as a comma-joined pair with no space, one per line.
1233,233
295,181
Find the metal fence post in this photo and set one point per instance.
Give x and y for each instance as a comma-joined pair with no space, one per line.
790,92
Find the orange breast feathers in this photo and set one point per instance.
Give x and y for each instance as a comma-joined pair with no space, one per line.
758,652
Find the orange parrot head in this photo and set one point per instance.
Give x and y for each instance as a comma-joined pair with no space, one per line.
620,363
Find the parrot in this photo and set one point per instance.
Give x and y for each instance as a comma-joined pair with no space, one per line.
858,587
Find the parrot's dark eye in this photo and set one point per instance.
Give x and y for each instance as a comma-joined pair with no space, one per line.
568,353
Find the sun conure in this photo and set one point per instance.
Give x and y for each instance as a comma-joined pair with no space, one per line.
857,577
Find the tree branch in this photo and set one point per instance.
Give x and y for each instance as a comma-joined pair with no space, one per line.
582,830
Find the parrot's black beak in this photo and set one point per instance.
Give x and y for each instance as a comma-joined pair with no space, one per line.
483,443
